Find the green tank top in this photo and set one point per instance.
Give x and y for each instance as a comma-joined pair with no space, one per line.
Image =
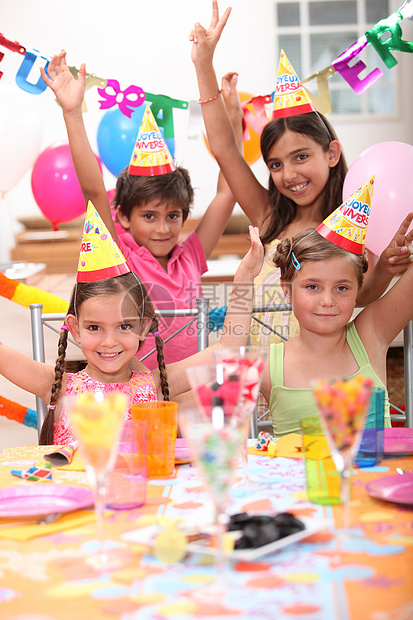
289,405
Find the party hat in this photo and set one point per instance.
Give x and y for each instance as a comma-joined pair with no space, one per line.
100,257
347,225
290,97
151,156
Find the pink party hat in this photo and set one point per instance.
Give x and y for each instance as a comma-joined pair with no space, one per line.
151,156
347,225
100,257
290,96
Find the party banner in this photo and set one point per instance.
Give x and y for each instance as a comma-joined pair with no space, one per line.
385,37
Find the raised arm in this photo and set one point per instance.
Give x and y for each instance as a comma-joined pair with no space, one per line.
248,192
69,93
34,377
215,218
381,321
235,331
395,258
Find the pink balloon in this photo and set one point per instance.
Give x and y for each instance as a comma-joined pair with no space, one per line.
55,185
392,165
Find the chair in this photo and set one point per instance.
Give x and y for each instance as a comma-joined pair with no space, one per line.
39,320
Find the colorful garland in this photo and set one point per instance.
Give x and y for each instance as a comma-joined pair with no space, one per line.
26,295
18,413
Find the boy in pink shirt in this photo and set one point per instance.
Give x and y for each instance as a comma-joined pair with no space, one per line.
151,211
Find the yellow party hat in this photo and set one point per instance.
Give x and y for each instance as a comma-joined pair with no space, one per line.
100,257
151,156
347,225
290,96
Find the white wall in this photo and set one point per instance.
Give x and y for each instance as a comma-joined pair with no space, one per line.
146,44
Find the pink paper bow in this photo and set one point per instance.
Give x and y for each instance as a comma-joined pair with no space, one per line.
113,95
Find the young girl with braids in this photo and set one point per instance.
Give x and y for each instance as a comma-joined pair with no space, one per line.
111,319
322,280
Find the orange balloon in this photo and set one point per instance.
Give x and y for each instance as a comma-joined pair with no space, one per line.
252,150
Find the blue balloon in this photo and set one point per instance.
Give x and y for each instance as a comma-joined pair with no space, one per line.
116,138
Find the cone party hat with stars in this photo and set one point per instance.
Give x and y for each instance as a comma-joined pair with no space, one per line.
151,156
100,257
290,96
347,225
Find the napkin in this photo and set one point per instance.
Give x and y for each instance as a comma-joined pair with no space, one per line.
290,446
66,522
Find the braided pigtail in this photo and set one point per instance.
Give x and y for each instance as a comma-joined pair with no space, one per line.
46,434
159,355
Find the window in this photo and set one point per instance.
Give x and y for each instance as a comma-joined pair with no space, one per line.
314,32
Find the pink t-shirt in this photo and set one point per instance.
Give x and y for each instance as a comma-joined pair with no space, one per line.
140,388
179,287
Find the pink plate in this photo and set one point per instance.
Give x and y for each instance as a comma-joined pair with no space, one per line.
182,453
398,489
41,499
398,441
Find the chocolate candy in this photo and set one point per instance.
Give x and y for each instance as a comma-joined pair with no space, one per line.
260,530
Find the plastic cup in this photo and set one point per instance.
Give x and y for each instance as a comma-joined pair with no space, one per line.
126,487
322,477
371,445
162,420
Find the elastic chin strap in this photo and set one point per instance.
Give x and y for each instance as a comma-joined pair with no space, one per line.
142,295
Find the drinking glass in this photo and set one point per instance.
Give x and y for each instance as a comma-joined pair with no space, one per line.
343,406
97,420
216,441
251,360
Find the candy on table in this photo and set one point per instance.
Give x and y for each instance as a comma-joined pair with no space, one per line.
343,404
263,440
223,394
250,378
272,448
97,425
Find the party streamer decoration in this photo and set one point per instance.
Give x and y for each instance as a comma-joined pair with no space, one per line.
389,26
26,295
18,413
29,59
126,102
350,74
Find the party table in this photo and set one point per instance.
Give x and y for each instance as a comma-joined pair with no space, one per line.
366,576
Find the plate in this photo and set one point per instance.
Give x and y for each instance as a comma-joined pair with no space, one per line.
42,499
182,452
146,536
397,489
398,441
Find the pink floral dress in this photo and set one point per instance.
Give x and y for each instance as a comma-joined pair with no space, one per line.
140,388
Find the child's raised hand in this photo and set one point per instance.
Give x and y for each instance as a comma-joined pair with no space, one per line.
252,261
231,98
205,39
69,91
398,255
